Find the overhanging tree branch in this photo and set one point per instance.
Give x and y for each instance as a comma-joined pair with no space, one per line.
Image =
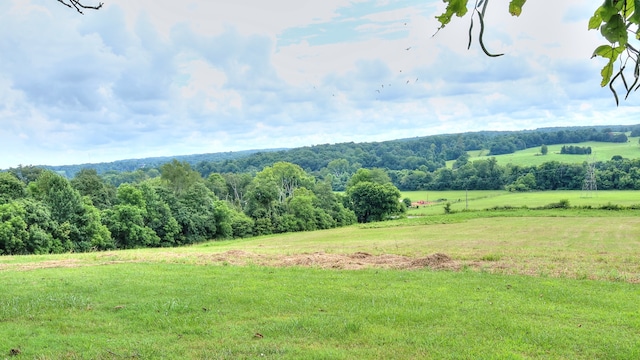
79,6
615,19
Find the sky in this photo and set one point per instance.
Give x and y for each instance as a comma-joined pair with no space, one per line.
149,78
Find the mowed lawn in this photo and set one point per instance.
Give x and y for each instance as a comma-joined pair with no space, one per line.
525,284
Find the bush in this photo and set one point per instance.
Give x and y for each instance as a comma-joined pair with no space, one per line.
241,225
447,208
610,206
562,204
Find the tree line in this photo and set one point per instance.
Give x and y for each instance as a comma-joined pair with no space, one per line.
487,174
430,152
43,212
575,150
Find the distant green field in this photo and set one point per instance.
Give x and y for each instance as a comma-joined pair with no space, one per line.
531,157
480,200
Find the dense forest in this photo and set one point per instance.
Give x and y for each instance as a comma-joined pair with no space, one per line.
302,189
43,212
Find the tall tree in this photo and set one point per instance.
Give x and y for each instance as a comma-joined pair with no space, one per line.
13,229
11,188
78,222
126,220
26,174
374,202
544,150
378,176
88,183
158,215
179,176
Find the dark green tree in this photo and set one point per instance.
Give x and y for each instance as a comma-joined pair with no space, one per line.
374,202
217,183
378,176
158,215
88,183
179,176
26,174
126,220
13,230
11,188
78,221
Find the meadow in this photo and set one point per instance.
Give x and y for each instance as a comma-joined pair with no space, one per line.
601,151
487,199
518,284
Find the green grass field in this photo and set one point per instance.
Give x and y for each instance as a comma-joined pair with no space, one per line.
521,284
177,311
480,199
531,157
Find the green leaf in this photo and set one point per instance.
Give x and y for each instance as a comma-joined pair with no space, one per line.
607,10
515,7
595,21
615,30
603,50
608,52
628,9
606,73
635,18
454,7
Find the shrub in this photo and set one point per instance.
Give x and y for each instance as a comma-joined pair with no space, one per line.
447,208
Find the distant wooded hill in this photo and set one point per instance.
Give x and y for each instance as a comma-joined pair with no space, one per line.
428,153
151,162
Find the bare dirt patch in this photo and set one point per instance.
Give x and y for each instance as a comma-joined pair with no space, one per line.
322,260
354,261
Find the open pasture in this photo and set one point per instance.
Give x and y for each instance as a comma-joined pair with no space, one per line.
602,151
481,199
166,310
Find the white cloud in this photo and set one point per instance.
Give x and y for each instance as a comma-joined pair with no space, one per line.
148,78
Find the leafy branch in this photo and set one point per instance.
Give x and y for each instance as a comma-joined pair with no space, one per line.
615,19
459,9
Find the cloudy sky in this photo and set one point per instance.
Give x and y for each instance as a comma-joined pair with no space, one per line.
165,77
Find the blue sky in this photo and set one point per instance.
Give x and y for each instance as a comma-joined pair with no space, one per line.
159,78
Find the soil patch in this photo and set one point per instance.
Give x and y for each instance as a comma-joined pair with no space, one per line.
362,260
354,261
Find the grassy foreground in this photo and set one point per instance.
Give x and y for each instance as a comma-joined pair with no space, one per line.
153,310
547,284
